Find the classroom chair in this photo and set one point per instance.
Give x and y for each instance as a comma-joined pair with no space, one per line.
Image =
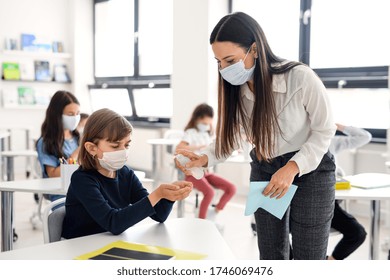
52,221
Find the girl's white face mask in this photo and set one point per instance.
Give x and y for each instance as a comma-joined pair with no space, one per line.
236,74
113,161
70,122
202,127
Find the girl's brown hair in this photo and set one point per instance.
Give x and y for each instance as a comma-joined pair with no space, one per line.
102,124
201,111
52,129
243,30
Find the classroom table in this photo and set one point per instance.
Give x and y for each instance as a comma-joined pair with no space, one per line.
188,234
374,194
10,158
40,186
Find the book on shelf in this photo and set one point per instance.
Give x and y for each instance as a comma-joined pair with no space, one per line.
61,73
27,42
42,97
26,96
42,71
27,72
58,47
10,44
11,71
10,98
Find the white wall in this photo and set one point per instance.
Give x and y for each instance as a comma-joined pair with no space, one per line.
194,68
69,21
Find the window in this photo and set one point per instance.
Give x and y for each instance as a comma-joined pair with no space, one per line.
366,108
279,20
116,99
114,38
133,59
345,42
155,37
349,33
160,107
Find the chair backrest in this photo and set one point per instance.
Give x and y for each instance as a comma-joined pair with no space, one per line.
52,221
173,134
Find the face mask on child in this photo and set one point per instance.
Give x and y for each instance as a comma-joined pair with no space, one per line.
70,122
113,161
202,127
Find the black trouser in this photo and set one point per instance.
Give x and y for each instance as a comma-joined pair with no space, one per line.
308,217
353,233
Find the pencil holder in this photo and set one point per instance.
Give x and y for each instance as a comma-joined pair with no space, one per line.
66,173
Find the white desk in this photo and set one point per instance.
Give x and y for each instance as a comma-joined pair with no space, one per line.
40,186
375,195
3,135
7,189
188,234
11,155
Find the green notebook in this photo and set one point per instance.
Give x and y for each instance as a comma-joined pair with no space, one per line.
11,71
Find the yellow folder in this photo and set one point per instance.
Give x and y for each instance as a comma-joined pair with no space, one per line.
342,184
121,250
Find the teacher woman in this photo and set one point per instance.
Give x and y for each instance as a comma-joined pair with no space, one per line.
281,107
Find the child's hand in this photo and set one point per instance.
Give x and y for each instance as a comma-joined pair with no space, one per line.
173,192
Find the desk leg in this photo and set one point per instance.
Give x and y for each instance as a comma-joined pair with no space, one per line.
2,163
10,169
375,223
180,208
154,164
6,221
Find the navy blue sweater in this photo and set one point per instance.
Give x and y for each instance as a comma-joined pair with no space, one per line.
95,203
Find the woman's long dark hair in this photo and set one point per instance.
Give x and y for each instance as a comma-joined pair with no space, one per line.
243,30
52,130
201,111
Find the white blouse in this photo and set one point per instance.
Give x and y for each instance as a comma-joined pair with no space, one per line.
304,116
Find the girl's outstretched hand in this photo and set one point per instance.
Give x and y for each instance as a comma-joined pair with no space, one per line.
195,161
173,192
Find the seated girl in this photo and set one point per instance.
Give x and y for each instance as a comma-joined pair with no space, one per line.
104,194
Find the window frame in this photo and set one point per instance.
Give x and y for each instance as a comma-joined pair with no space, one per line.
136,81
344,77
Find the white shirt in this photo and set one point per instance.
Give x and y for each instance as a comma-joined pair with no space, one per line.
197,138
355,138
304,116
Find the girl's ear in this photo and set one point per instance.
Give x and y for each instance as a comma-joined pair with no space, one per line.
91,148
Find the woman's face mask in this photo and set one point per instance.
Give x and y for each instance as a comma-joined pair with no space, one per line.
70,122
236,74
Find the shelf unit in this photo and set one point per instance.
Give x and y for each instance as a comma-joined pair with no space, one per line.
43,90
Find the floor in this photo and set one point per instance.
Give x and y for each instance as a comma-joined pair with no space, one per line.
236,228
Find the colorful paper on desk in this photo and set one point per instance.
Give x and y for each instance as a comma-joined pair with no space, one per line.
276,207
121,250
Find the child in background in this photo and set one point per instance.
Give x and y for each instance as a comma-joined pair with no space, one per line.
104,194
59,137
197,137
353,232
83,120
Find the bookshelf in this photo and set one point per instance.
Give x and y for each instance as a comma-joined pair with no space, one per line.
28,92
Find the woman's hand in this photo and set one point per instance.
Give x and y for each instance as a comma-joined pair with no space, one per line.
196,161
281,180
173,192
